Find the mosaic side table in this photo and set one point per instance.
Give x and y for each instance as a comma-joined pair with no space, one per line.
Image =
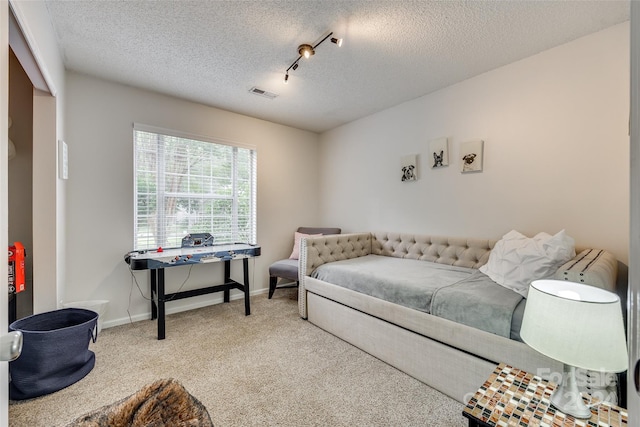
514,398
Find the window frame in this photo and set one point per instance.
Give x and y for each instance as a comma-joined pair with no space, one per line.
161,194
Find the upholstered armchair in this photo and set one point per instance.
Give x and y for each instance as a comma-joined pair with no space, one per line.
288,268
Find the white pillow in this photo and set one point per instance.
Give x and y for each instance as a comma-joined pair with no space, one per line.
517,260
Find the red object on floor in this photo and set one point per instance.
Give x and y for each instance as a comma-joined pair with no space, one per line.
16,268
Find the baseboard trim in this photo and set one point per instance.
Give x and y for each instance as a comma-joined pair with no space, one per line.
178,308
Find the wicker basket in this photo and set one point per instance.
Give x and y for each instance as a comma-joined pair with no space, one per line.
55,351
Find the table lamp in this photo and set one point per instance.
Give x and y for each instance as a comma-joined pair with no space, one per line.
578,325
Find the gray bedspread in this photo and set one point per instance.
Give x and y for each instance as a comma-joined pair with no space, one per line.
478,302
407,282
463,295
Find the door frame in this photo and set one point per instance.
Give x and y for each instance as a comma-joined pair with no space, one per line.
4,197
633,303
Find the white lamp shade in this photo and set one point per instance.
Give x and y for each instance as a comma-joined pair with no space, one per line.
577,324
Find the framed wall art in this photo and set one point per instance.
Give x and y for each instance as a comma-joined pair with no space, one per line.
471,153
439,153
409,166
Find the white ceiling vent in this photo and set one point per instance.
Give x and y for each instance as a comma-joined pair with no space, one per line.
257,91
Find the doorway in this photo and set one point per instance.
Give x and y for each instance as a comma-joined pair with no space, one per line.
20,179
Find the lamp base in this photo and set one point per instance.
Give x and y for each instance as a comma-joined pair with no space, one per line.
567,397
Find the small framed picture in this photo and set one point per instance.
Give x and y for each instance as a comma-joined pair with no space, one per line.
471,153
439,153
409,168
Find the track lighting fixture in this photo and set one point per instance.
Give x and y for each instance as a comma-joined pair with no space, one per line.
307,51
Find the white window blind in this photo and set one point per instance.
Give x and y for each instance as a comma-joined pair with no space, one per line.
185,184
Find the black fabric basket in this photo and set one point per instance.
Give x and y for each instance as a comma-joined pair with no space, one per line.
55,351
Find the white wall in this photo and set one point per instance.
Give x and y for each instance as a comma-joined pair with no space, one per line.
555,127
100,115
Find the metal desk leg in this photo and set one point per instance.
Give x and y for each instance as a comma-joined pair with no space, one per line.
161,311
227,278
154,295
245,268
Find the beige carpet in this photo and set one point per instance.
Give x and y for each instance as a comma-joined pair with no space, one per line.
267,369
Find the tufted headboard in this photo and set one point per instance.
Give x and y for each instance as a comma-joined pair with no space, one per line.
315,251
458,251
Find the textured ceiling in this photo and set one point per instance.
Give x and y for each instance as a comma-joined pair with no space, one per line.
213,52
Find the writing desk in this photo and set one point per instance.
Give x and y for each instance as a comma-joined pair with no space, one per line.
156,261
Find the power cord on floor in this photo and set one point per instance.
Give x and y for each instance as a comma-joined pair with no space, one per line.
149,298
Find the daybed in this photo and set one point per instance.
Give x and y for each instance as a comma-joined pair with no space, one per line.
368,298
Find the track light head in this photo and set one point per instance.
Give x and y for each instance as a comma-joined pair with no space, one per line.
336,41
286,78
306,50
295,66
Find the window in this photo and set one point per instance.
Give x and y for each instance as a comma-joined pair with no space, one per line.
185,184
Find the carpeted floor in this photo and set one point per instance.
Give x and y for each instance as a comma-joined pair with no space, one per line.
267,369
